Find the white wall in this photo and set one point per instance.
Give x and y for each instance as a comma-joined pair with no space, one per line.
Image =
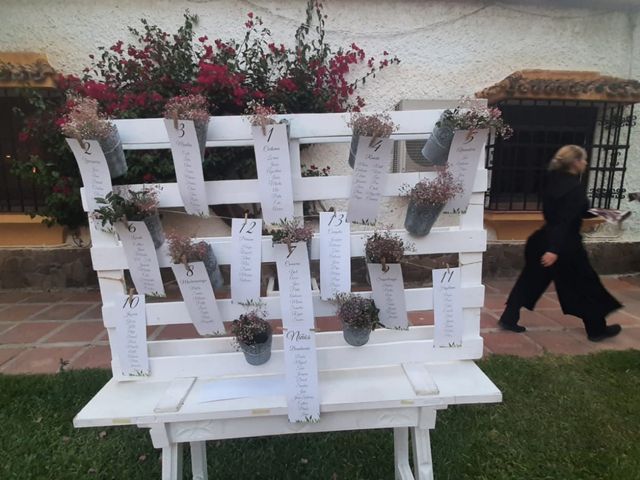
448,49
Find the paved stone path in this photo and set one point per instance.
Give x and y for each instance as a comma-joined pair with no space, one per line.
44,332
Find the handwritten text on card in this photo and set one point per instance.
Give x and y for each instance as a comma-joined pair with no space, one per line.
188,166
447,308
246,258
93,170
373,161
131,336
274,172
197,292
335,254
301,373
387,291
464,156
141,257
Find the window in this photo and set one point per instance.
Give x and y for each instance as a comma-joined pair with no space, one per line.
517,166
16,195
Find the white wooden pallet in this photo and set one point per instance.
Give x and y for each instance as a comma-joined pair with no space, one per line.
398,380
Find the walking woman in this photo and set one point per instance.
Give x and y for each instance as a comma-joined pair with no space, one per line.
555,252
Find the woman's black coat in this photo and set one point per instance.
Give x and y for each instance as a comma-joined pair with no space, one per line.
579,289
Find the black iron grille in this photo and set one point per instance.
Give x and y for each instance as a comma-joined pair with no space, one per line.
517,166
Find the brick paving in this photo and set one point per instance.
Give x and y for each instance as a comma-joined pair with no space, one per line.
48,331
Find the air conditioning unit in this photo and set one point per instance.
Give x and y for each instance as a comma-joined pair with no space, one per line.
406,152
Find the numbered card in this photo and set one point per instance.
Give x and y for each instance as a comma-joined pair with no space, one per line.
131,336
274,172
93,170
464,156
188,166
373,161
141,258
294,280
335,254
246,259
387,291
447,308
301,375
197,292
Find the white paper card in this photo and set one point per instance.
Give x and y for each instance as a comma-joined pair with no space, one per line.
141,258
301,373
464,156
372,164
447,308
199,298
387,291
246,259
294,280
188,166
245,387
274,172
335,254
131,336
93,170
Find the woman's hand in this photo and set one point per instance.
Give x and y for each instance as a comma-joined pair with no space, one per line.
548,259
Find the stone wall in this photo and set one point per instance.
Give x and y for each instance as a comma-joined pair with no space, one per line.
46,269
56,268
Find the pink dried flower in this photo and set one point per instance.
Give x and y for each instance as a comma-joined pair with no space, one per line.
377,125
189,107
251,328
357,311
183,249
468,116
384,245
437,191
84,121
289,231
260,115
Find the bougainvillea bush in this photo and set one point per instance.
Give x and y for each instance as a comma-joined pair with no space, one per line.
135,80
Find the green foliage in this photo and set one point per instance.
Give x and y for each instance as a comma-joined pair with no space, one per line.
137,79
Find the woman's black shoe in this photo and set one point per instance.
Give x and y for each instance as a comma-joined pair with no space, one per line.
512,327
509,320
609,331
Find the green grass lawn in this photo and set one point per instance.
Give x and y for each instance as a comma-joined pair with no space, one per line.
562,418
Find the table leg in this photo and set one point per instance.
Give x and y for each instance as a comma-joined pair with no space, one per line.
401,453
199,460
422,460
172,462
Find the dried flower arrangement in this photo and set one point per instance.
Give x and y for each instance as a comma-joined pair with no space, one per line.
261,115
189,107
289,231
83,120
130,206
467,116
251,328
357,311
436,191
183,249
253,334
376,125
384,247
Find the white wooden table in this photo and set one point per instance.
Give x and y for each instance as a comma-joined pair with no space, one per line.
398,380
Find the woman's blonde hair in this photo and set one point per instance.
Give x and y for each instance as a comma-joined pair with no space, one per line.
566,156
